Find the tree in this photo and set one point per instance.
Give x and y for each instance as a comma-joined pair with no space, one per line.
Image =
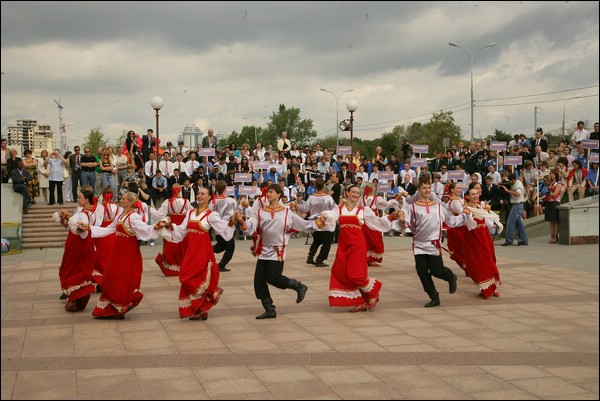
439,127
298,131
94,140
119,142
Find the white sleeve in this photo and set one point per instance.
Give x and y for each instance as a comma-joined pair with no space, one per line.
375,222
455,207
100,232
161,213
142,230
221,226
180,230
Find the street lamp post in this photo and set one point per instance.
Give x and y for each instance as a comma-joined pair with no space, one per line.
564,111
351,105
157,104
337,117
255,135
472,58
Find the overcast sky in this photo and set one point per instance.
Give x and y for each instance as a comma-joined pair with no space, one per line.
214,63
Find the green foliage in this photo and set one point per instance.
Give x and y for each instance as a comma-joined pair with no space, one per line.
500,136
439,127
94,140
120,141
298,131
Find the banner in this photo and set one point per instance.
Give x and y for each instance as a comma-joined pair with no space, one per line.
206,152
384,176
589,144
420,148
230,190
418,162
258,165
247,190
513,160
344,150
456,175
243,177
496,145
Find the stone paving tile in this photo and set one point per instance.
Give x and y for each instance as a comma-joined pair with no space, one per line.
53,385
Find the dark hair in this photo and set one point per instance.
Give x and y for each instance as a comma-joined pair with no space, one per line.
133,187
220,187
512,176
88,193
424,179
319,183
276,188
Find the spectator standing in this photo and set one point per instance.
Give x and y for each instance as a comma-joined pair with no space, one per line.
515,219
56,165
42,168
148,143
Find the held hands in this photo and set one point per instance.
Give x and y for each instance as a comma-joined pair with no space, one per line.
244,203
82,227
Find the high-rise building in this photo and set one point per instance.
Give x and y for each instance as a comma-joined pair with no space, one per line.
191,136
28,134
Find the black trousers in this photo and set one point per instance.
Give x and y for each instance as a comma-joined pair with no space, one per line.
58,186
224,246
23,190
269,272
428,266
75,180
323,239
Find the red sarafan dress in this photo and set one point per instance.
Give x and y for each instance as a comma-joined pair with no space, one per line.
77,264
169,260
349,283
374,238
456,235
123,274
480,260
106,213
199,273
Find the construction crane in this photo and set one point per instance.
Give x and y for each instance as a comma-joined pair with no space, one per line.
62,135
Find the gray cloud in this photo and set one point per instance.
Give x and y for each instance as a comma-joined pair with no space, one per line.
217,62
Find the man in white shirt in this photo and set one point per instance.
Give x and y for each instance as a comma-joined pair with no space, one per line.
192,164
166,166
579,135
496,177
407,170
515,218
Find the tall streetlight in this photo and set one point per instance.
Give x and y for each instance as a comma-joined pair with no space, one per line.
254,124
564,110
351,105
472,58
337,118
157,104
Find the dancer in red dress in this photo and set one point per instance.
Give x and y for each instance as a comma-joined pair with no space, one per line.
199,273
480,260
349,283
77,263
374,238
176,207
456,235
123,275
105,214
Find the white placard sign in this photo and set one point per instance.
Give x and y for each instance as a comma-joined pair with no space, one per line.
496,145
230,190
247,190
206,151
594,157
243,177
384,176
418,162
513,160
420,149
344,150
589,144
260,165
383,187
456,175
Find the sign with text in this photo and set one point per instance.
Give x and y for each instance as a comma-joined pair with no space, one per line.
418,162
206,152
497,145
420,148
463,186
247,190
384,176
383,187
594,157
260,165
278,167
344,150
230,190
589,144
456,175
513,160
243,177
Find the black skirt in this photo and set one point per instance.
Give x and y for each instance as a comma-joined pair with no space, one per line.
551,211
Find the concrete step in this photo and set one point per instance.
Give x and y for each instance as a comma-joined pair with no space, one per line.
43,245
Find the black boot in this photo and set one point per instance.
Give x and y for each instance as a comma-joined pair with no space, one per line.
435,300
299,288
452,284
270,312
310,260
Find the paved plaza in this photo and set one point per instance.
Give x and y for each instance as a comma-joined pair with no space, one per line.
539,340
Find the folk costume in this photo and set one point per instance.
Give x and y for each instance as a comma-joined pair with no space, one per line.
374,238
426,219
123,275
199,272
349,282
105,214
273,226
480,261
176,207
78,262
225,206
323,237
457,247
